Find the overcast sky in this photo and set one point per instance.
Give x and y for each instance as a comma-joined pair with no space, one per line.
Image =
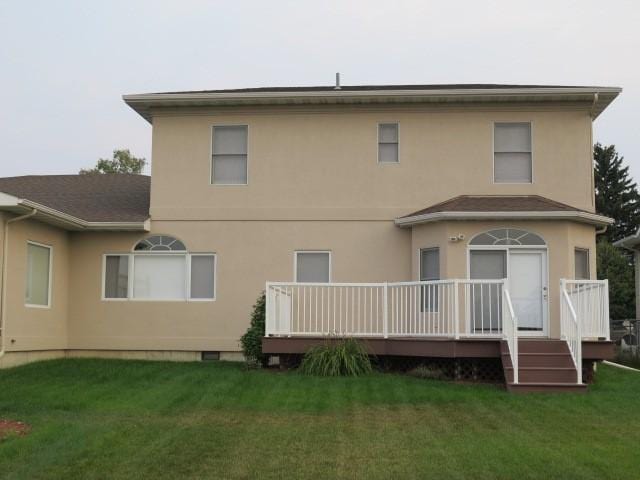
64,65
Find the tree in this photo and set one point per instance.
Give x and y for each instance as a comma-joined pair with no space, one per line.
122,162
617,267
616,192
251,341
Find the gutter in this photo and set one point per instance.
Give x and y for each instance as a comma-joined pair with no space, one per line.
585,217
3,279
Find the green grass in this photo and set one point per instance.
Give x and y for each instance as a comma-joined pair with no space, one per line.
118,419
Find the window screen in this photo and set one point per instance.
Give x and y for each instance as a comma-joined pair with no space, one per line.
429,270
116,276
202,276
388,143
582,264
38,259
512,153
229,155
313,267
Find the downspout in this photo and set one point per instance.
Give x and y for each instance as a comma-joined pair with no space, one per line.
3,275
600,231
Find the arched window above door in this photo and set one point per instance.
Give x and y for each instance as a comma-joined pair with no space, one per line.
160,243
507,236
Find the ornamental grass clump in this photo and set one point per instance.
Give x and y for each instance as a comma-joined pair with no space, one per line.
342,358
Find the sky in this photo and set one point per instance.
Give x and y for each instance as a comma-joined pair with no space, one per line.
65,65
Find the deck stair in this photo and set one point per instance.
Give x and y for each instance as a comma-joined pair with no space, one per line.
544,366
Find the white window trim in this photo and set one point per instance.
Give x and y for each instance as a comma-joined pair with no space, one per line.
424,249
211,171
130,269
295,264
395,122
50,282
493,152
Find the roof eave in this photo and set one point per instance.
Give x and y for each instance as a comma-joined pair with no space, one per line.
142,103
582,217
69,222
632,242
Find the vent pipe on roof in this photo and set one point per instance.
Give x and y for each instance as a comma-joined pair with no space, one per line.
337,87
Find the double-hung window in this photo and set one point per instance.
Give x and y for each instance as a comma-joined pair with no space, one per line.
38,288
160,268
581,258
229,155
313,267
388,142
429,271
512,162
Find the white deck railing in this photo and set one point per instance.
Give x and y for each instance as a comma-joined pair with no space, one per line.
510,332
570,329
443,308
590,302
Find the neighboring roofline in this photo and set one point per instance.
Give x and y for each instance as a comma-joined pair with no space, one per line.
578,216
64,220
630,243
142,103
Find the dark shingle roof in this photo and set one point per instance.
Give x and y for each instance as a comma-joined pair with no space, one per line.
93,197
367,88
497,203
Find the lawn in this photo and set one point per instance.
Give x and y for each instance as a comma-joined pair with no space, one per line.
117,419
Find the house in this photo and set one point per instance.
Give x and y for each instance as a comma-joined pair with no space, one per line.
438,221
632,243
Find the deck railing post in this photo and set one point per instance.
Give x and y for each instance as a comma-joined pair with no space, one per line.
267,308
607,321
456,309
385,312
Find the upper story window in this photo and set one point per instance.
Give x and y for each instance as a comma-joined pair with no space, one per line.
229,155
388,142
160,268
38,289
512,161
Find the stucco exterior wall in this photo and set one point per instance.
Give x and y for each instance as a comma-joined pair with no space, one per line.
248,255
36,328
323,164
562,238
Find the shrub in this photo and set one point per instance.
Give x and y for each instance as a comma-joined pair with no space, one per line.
251,341
347,358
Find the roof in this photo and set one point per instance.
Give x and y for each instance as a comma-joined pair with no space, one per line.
82,199
501,206
632,242
594,98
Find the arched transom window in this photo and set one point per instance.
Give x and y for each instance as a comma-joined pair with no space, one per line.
507,236
160,268
160,243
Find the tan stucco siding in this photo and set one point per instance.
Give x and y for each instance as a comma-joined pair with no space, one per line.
35,328
249,254
561,238
323,165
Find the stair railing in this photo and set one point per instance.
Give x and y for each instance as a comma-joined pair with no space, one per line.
570,329
510,329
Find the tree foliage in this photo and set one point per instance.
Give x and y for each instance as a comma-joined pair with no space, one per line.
122,162
614,265
616,192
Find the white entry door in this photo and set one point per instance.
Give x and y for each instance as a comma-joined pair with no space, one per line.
528,289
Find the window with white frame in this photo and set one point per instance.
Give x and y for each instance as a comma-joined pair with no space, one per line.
512,162
388,142
38,289
229,155
313,267
429,271
582,264
160,268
